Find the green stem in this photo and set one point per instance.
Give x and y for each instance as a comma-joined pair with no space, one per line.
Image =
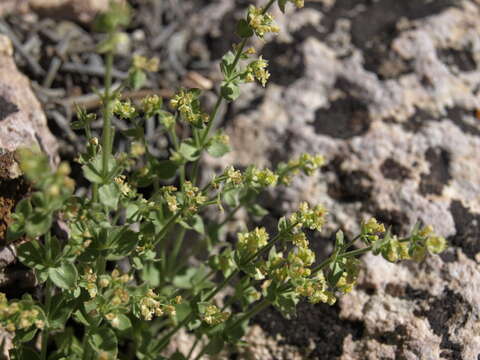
166,227
176,250
45,334
107,134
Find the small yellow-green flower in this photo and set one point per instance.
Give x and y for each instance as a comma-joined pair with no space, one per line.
143,63
124,109
257,70
260,22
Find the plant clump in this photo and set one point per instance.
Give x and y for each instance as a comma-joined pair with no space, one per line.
123,276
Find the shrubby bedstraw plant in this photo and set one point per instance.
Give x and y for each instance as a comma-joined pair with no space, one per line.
121,278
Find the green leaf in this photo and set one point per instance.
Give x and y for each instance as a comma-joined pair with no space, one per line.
193,278
339,239
121,322
257,210
215,345
16,229
194,223
137,79
226,64
335,274
282,4
109,195
188,151
121,242
60,311
24,336
151,273
243,29
165,169
32,254
38,223
103,341
64,276
286,303
93,170
380,243
231,197
230,90
283,224
217,148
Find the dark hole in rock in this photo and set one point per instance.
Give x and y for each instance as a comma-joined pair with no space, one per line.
441,311
286,62
374,27
417,120
393,170
459,117
350,186
11,192
346,117
467,226
439,175
319,323
394,337
219,44
6,108
462,59
415,294
395,290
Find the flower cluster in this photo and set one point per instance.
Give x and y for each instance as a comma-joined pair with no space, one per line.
255,177
250,242
425,240
194,198
233,176
260,22
348,279
152,304
124,188
20,315
371,229
316,290
151,105
257,70
306,163
124,109
187,103
212,315
413,247
170,197
298,3
143,63
312,218
89,282
137,149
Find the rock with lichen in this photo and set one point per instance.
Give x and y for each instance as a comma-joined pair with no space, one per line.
22,124
79,10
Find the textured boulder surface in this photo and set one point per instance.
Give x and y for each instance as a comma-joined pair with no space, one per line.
389,92
22,124
82,10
